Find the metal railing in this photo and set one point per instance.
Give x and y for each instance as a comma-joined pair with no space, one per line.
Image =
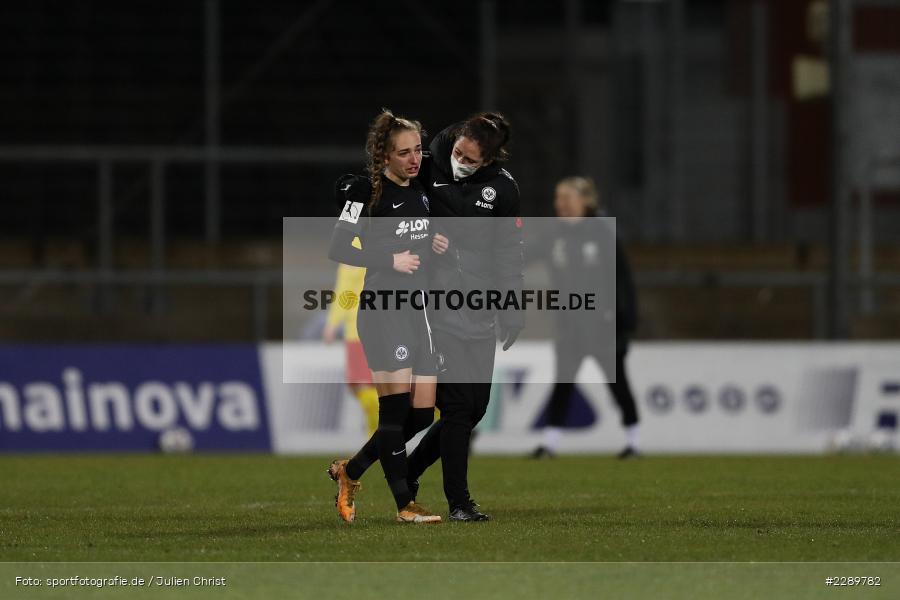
262,281
158,158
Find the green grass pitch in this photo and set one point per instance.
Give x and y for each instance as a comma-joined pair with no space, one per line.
575,527
580,508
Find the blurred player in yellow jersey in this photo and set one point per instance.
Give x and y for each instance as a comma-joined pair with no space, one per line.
342,313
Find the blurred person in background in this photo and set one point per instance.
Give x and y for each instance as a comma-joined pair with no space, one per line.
573,254
342,321
397,343
465,177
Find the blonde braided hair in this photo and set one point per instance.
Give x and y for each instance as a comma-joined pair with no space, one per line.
380,142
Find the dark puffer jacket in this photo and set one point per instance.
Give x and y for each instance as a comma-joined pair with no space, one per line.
485,253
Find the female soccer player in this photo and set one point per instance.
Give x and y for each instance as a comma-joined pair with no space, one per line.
389,215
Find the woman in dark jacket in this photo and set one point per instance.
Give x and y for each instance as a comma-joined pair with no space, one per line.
465,178
572,254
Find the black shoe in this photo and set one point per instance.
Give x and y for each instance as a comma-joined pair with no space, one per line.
468,512
542,452
627,452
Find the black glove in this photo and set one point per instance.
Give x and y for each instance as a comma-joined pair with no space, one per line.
355,188
508,335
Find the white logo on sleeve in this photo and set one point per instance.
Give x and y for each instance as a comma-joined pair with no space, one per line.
401,353
351,211
436,184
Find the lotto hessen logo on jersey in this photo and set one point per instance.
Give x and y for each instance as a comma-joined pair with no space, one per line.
417,228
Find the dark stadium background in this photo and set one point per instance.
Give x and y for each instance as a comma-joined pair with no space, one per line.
721,179
149,150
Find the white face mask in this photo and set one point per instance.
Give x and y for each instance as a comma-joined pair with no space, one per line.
460,170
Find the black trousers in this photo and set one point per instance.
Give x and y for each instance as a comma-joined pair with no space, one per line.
463,392
568,360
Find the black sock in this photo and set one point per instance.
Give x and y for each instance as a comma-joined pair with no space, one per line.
363,459
426,453
366,457
392,414
417,420
400,490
